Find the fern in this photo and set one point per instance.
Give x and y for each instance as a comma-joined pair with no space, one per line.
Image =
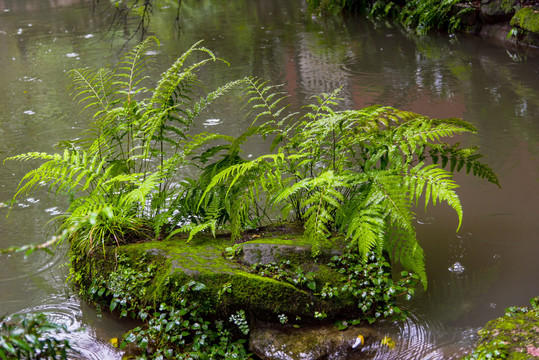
438,185
124,173
357,172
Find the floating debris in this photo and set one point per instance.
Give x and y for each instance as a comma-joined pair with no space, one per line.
359,341
388,342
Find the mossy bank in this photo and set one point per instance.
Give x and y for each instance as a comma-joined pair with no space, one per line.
514,336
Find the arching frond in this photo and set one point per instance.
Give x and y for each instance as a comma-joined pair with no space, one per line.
73,171
403,247
460,158
437,185
265,101
132,66
93,88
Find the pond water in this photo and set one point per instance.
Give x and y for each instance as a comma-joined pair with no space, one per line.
492,263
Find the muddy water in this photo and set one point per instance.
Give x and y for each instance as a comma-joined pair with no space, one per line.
474,274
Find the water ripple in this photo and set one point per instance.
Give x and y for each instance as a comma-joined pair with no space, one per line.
420,337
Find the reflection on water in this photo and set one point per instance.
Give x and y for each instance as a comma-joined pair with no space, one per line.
489,265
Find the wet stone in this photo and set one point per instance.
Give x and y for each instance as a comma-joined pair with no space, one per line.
271,342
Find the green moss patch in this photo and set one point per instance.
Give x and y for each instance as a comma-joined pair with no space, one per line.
526,18
230,286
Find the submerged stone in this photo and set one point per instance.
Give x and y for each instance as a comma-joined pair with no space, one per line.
271,342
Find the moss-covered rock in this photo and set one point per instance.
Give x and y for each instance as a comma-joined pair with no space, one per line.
512,336
493,11
229,285
527,19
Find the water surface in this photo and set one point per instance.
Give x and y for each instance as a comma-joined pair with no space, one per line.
490,264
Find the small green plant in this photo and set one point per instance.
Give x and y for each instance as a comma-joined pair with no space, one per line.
31,336
175,330
370,282
512,33
240,321
233,251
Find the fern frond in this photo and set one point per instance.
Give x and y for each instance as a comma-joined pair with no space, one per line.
203,102
325,103
365,227
459,158
265,100
72,171
389,192
322,200
174,75
233,173
437,184
194,229
132,66
93,88
403,247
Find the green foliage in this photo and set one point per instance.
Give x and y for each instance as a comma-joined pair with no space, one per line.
31,336
369,281
123,173
176,330
352,173
359,173
240,321
513,336
422,15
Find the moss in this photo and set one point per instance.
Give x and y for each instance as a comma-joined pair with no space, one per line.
178,262
526,18
507,5
515,335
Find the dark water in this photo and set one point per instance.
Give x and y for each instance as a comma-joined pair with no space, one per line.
474,274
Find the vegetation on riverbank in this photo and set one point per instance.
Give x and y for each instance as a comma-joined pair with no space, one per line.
512,336
420,15
518,19
355,175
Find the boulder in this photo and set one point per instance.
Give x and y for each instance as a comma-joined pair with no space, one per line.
495,11
203,260
527,19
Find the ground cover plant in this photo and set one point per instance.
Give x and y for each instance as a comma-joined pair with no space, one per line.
31,336
353,174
